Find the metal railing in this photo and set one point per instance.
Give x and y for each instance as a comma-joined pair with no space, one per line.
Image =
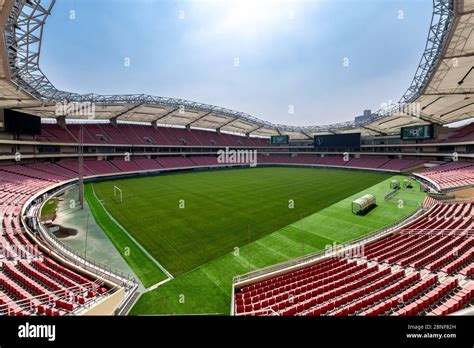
44,232
82,261
427,182
77,258
65,294
267,311
440,232
406,202
313,256
391,194
452,199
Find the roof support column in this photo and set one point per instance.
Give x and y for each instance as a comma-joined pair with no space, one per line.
253,130
155,121
61,120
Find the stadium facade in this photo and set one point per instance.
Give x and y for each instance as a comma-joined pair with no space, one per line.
90,136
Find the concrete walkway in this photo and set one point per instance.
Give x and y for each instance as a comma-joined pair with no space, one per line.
99,247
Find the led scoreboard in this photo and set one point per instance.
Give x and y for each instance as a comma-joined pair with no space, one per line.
337,141
280,139
12,121
417,132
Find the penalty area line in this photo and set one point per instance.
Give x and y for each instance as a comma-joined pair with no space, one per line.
155,261
155,286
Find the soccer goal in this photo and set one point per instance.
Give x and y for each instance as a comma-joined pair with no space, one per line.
118,195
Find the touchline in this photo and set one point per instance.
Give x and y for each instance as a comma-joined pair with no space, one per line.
37,331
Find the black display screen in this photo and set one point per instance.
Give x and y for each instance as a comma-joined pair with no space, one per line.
417,132
17,122
280,139
351,140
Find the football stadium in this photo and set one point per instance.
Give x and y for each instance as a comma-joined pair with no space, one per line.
141,205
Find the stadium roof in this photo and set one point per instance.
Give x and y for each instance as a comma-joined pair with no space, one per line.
442,90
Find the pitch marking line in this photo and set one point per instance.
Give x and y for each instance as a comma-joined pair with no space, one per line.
244,262
284,239
155,286
214,280
272,250
316,234
165,271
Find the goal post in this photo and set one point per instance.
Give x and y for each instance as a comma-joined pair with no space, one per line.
118,195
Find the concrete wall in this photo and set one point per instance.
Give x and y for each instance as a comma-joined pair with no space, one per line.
464,193
108,306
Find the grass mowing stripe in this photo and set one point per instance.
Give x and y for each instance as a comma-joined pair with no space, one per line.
219,208
310,231
203,295
245,263
144,268
271,249
215,281
131,237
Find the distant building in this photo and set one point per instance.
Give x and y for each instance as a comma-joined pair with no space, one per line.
363,118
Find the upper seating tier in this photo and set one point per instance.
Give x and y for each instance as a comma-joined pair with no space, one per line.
133,134
451,175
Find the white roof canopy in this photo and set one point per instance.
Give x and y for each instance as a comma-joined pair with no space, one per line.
442,91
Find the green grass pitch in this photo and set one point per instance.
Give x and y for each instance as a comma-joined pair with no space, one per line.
145,269
188,219
206,242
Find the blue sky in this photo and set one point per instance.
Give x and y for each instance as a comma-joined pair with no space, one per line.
289,52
